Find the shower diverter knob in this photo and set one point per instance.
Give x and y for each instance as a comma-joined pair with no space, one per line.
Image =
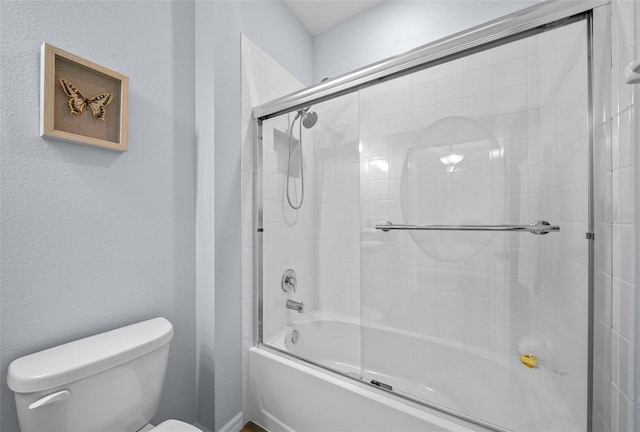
288,281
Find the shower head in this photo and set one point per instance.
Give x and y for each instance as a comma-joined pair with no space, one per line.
309,118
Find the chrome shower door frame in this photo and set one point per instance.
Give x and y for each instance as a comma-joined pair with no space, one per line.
533,20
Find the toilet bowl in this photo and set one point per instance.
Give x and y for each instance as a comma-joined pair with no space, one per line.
108,382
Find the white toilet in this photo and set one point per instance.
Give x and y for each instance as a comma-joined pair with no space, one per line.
110,382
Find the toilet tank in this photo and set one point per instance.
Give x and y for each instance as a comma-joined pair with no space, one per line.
108,382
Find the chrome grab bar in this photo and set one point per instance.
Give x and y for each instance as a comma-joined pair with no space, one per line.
537,227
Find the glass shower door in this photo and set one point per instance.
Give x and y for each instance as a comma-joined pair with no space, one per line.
470,302
310,270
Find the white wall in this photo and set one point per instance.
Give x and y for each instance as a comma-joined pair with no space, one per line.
396,26
94,239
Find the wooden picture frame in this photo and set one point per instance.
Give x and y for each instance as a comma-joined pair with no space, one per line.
82,102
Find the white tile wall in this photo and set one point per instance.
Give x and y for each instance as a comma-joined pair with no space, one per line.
288,237
264,79
615,284
337,197
602,416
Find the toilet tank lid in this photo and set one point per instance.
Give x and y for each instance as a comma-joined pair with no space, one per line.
79,359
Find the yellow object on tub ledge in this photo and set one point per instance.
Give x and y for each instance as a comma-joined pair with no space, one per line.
529,360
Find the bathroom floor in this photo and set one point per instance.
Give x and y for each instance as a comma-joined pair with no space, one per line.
252,427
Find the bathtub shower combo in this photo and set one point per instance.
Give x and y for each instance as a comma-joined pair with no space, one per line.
438,273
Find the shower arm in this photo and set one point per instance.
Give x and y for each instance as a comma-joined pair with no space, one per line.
537,227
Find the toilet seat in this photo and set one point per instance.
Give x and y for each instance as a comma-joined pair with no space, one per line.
174,426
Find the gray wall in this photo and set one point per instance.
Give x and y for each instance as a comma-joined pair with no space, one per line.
272,26
94,239
205,223
397,26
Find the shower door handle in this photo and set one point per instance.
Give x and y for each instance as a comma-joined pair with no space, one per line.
537,227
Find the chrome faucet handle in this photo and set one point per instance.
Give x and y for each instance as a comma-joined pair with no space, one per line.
291,282
288,281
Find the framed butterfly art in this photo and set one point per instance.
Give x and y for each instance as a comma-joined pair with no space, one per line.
81,101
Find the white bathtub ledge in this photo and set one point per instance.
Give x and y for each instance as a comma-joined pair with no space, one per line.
285,395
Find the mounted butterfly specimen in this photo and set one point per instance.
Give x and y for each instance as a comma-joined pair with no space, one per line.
77,101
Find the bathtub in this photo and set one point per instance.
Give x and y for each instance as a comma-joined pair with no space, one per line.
493,392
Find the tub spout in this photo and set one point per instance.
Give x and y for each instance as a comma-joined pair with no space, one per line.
297,306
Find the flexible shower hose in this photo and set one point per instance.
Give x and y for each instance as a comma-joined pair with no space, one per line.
289,163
